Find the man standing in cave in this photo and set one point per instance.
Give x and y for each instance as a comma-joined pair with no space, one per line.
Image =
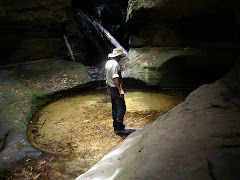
114,89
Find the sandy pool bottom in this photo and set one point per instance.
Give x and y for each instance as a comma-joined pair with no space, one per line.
78,129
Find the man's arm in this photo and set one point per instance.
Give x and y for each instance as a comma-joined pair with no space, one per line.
118,86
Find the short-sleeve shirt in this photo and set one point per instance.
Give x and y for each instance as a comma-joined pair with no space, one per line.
112,71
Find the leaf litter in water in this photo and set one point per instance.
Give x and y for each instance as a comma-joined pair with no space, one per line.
82,124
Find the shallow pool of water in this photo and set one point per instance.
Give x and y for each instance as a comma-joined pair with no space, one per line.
80,126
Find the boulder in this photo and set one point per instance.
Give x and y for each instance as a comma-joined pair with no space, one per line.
198,139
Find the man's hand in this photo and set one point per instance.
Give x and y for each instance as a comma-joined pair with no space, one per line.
121,92
118,86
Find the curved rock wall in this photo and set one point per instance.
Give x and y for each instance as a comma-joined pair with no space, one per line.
26,88
171,67
210,27
184,23
198,139
32,29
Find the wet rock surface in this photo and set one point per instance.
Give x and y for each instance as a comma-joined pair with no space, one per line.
17,147
101,25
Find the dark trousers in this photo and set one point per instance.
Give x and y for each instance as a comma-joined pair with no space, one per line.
118,106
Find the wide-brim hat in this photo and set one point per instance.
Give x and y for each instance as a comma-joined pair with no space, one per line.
116,52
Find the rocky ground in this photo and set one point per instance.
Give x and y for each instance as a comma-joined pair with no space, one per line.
24,89
27,87
198,139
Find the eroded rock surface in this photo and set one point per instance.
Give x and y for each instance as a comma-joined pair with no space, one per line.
198,139
171,67
213,23
179,44
32,30
24,89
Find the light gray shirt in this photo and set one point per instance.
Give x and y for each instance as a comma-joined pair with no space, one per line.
112,71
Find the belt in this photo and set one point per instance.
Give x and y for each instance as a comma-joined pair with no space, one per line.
110,87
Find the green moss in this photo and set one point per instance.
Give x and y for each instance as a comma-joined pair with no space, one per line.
146,64
26,88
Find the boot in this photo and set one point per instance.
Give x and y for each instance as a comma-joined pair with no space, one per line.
121,130
115,125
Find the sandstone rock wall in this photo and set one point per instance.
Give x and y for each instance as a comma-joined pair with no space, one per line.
210,26
184,23
32,29
198,139
171,67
